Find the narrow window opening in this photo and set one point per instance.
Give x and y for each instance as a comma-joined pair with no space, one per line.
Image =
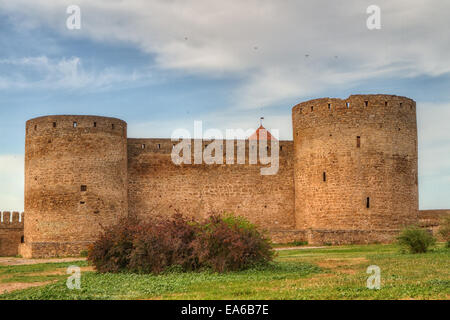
348,105
401,104
366,103
54,124
301,110
83,188
329,106
281,148
368,203
112,126
267,148
35,127
22,239
324,177
358,142
95,124
159,146
82,202
75,124
143,146
385,103
312,108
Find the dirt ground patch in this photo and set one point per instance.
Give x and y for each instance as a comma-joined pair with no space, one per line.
338,263
297,248
57,272
8,287
12,261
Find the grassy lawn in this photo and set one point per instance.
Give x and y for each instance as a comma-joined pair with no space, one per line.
326,273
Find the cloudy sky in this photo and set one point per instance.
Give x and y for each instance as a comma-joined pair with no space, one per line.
161,64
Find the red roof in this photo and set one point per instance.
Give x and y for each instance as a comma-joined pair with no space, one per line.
260,133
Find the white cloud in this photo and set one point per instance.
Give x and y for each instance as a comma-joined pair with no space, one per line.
44,73
281,49
12,182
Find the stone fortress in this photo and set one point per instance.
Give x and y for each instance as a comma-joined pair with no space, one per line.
349,176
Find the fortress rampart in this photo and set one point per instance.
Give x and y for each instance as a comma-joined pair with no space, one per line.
156,184
349,176
11,232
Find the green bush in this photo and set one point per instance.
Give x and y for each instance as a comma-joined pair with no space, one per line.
230,243
415,239
444,229
299,243
84,253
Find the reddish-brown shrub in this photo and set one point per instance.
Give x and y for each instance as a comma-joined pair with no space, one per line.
110,253
164,242
221,243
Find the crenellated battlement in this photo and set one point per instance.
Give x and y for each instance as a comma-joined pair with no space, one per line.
370,104
11,232
142,147
11,219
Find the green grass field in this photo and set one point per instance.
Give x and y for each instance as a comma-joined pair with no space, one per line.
327,273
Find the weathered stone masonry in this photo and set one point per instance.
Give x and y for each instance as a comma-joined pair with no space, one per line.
349,176
11,232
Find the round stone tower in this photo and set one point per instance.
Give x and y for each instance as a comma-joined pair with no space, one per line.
355,168
75,181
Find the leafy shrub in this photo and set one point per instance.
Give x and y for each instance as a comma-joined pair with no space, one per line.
162,243
221,243
111,252
444,229
229,243
415,239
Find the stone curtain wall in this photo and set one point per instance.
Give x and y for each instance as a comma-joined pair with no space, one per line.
157,185
75,180
431,219
355,166
11,232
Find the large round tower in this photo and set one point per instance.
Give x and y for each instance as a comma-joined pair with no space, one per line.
75,181
355,167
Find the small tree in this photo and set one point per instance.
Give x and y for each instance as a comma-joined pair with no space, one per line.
415,239
444,229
